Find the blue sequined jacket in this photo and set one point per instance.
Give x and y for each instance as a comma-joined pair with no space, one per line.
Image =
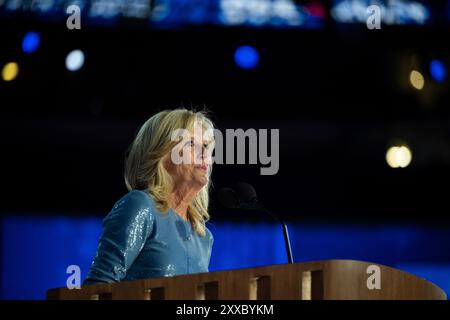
138,241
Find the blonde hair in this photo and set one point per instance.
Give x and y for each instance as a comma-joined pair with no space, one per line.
144,167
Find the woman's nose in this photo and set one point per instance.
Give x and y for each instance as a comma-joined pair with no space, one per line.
200,152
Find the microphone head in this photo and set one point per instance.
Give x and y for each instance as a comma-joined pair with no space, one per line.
228,198
246,192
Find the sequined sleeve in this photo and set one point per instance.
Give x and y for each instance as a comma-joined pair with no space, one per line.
211,242
125,230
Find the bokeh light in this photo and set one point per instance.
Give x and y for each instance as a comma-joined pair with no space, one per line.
246,57
31,42
438,71
398,156
74,60
417,80
10,71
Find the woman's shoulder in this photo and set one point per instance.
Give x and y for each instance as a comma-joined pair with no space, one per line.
135,202
137,198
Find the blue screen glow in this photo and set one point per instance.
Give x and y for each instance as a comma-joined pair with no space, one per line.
36,251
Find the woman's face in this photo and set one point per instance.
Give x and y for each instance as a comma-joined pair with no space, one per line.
196,152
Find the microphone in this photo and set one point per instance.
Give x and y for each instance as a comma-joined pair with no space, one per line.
228,198
244,197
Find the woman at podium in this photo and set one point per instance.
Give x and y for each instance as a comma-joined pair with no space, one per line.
159,227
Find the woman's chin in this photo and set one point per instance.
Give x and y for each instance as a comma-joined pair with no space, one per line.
202,181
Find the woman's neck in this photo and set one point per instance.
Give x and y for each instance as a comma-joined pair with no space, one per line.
180,199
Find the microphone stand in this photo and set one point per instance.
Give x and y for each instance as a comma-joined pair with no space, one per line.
257,206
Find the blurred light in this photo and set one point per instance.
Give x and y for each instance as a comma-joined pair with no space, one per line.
394,12
31,42
416,79
10,71
263,12
246,57
398,157
75,60
438,71
316,9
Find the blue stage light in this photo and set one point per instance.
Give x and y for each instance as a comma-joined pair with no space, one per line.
35,251
31,42
438,71
246,57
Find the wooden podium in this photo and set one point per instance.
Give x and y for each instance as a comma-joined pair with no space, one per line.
330,279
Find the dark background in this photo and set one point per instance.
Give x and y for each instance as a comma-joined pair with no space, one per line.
339,98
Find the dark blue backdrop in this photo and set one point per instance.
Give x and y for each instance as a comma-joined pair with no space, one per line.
37,250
